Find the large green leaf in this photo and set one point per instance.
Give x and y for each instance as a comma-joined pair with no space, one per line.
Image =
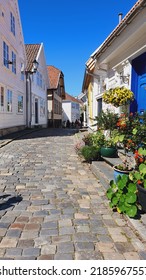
132,211
132,188
131,197
142,168
115,200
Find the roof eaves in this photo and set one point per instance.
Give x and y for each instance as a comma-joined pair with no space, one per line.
121,26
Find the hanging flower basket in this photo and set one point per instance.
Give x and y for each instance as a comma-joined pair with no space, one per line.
118,96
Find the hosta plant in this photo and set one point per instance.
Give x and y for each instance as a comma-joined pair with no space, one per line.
123,196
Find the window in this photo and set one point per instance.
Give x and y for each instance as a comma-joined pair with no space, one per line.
39,80
42,107
13,62
12,22
5,54
1,98
22,71
9,100
20,104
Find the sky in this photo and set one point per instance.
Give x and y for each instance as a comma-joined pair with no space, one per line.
71,30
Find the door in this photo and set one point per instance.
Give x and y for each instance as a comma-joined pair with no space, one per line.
138,84
141,98
36,111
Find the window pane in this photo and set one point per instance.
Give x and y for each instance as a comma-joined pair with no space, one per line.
20,104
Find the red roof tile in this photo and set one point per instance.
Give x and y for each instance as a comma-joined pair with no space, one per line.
31,54
69,97
53,74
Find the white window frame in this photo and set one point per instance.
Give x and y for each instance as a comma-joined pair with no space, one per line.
5,54
2,98
12,23
20,104
9,100
13,62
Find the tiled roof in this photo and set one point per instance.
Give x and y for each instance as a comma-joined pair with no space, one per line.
31,54
53,74
69,97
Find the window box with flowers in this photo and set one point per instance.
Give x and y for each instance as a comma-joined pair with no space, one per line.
118,96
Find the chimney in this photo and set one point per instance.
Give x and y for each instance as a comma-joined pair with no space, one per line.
120,17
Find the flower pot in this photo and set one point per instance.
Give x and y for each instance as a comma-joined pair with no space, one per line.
141,197
108,152
118,172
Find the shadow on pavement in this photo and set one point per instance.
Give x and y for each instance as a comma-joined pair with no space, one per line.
10,202
37,133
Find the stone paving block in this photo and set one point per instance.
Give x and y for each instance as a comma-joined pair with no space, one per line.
49,225
142,255
113,256
63,257
61,239
65,223
66,230
31,252
84,246
85,255
46,257
105,247
48,249
13,233
8,243
131,256
66,247
32,226
25,243
49,232
13,252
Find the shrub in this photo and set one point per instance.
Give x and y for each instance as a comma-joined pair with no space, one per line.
90,153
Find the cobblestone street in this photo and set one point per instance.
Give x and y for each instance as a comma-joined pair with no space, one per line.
53,207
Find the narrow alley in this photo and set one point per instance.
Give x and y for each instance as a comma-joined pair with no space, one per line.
52,206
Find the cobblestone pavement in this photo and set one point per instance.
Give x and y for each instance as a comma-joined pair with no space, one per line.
53,207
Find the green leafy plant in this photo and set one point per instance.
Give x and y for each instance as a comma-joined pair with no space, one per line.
107,120
87,139
90,153
123,196
118,96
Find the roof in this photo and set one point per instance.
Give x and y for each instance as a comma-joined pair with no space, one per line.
31,54
54,75
69,97
139,5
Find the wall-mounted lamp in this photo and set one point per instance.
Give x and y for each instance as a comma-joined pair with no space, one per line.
35,65
125,79
11,61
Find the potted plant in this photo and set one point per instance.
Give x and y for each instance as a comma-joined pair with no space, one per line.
90,153
106,122
139,177
122,196
109,148
118,96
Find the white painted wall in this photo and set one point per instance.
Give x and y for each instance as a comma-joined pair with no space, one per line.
40,93
71,111
117,59
8,79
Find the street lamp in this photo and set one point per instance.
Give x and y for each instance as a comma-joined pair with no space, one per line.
29,92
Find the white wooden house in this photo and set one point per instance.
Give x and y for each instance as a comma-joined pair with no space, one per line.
12,61
119,61
37,83
71,108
